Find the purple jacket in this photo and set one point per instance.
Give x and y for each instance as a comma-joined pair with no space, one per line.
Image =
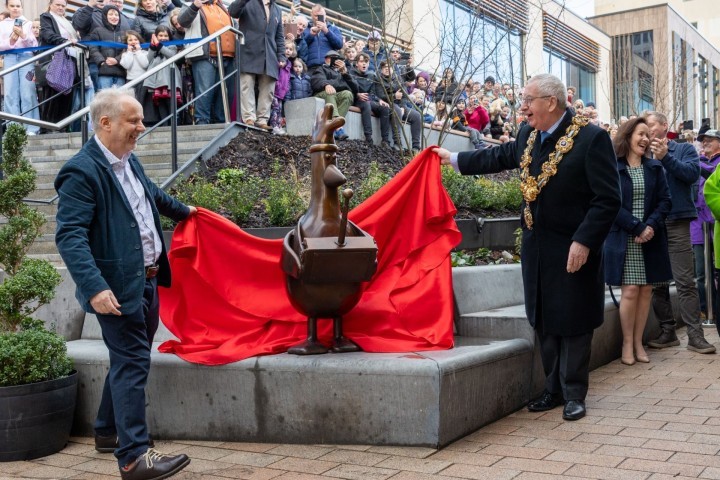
704,215
282,85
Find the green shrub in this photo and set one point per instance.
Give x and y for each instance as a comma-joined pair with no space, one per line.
375,179
283,203
240,193
31,355
28,352
459,187
198,191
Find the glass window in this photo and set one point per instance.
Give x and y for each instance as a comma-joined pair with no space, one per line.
475,46
368,11
573,75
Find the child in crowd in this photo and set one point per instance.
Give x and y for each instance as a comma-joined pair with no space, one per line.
157,95
441,114
36,29
477,118
134,60
282,86
300,86
459,122
426,108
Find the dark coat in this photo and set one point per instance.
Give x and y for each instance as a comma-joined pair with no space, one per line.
299,87
107,33
85,19
96,233
326,75
579,204
657,207
264,40
146,22
385,88
682,170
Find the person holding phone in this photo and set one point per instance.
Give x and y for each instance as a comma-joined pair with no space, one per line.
20,93
321,37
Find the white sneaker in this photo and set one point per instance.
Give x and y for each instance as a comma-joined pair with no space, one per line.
278,131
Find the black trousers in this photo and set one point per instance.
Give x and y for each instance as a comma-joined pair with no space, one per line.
566,361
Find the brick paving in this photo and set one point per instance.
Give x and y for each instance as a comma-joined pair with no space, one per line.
656,421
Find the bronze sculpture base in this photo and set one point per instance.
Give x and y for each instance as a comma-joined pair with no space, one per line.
311,346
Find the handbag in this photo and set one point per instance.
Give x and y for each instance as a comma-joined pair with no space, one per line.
61,72
41,74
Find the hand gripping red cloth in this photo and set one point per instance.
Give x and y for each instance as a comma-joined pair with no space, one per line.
228,300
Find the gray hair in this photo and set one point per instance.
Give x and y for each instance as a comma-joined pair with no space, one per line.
660,117
548,84
108,102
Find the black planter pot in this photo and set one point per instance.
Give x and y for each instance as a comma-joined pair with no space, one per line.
35,419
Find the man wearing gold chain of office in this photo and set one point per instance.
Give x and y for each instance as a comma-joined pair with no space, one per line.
571,197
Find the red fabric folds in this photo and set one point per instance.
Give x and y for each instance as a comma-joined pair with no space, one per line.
228,300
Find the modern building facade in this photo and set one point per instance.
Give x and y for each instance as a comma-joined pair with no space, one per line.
662,62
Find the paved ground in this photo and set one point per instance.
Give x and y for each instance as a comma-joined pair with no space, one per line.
651,421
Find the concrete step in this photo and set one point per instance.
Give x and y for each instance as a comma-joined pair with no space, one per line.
49,159
48,227
424,398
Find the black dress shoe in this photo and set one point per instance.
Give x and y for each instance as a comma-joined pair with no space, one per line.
109,443
574,410
153,465
546,401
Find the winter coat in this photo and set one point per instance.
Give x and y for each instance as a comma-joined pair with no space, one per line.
375,58
300,87
134,63
318,45
446,93
478,119
264,40
193,20
326,75
365,82
162,78
657,206
579,203
146,22
712,198
282,85
107,33
682,170
704,214
85,20
385,88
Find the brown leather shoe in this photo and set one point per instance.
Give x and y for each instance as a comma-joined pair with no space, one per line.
153,465
264,126
109,443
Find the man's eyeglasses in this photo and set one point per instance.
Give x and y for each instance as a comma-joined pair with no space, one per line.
527,100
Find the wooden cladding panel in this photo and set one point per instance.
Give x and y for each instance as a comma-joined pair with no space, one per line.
570,43
511,13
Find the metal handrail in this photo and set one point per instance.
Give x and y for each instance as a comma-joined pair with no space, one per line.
35,58
80,113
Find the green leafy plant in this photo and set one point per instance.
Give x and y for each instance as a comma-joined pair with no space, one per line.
459,187
28,352
375,179
199,191
240,193
283,203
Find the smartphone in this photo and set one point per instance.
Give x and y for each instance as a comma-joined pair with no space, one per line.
18,22
405,55
321,18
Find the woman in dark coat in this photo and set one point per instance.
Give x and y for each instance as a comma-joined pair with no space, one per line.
52,34
636,250
148,16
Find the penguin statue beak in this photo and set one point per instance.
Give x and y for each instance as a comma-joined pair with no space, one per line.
333,177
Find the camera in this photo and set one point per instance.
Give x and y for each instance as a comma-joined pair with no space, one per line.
321,18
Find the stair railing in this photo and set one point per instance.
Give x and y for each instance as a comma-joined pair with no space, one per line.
83,112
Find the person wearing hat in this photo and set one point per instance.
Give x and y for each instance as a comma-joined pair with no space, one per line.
708,163
333,83
711,190
375,51
320,38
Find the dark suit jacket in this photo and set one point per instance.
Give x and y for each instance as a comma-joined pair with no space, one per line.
97,234
579,204
264,38
656,208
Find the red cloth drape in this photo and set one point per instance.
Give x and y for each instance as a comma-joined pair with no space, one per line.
228,299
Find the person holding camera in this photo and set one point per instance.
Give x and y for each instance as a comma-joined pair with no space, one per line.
333,83
321,37
20,93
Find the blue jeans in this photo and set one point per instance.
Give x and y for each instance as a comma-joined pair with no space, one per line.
20,93
105,81
93,70
122,406
209,109
89,94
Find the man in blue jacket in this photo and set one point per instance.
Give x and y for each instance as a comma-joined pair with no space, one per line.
682,169
109,236
321,37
